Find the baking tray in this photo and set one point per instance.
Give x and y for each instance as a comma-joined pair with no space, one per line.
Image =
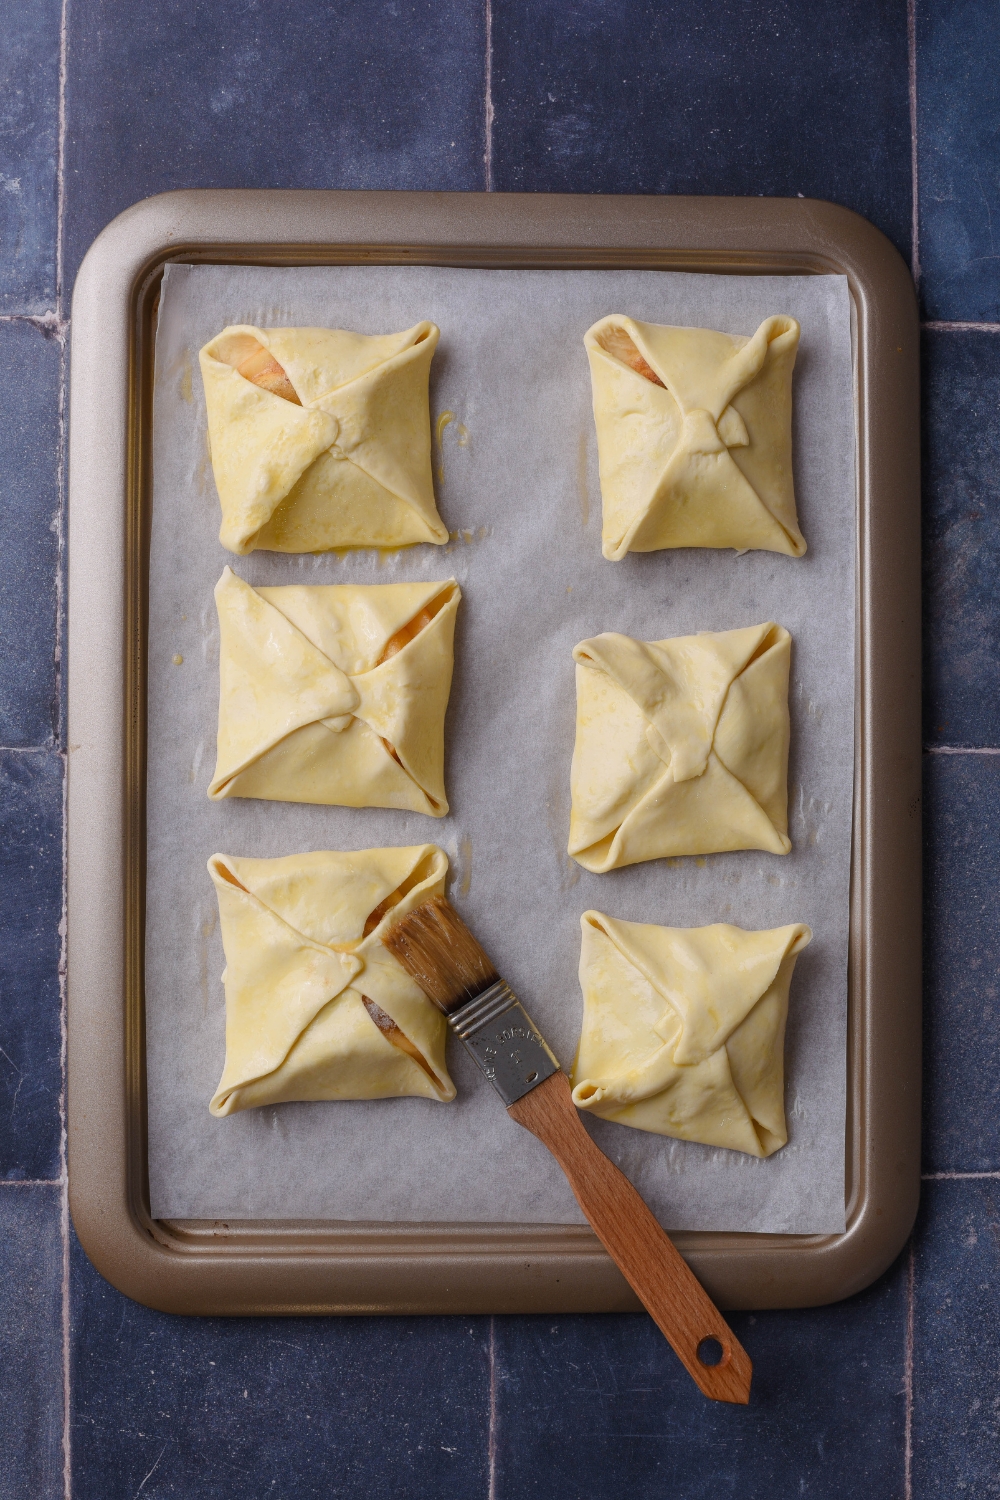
297,1267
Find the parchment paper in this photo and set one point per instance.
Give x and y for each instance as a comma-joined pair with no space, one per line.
518,487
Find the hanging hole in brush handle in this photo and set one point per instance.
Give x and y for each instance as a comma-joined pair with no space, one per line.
644,1253
711,1352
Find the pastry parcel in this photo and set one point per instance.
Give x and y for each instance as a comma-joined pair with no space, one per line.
694,436
335,693
684,1029
681,746
321,438
316,1006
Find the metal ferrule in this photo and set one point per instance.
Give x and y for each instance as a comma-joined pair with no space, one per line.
498,1032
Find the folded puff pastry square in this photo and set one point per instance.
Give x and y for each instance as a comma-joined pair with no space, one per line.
684,1029
316,1006
321,438
694,436
335,693
681,746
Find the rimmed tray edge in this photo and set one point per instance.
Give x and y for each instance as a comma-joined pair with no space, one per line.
281,1267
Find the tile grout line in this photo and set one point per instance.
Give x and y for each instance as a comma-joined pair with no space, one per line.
67,1466
911,58
48,322
30,1182
908,1374
61,331
61,156
959,1176
961,750
63,1159
937,326
488,98
491,1449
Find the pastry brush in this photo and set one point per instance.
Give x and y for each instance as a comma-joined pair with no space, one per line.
436,948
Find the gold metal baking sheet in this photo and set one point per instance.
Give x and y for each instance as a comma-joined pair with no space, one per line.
315,1267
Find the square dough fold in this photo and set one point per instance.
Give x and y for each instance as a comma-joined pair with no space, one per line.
684,1028
321,438
681,746
694,436
335,693
316,1006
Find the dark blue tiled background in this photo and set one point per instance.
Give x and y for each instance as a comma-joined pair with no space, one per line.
29,121
962,979
958,147
891,1394
599,1405
722,97
299,1407
241,93
31,1366
30,370
956,1336
961,398
31,787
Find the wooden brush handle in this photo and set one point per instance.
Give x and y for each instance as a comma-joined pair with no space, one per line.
646,1257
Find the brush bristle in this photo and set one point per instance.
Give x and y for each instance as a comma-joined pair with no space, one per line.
437,950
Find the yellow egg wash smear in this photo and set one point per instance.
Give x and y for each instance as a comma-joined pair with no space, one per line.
442,422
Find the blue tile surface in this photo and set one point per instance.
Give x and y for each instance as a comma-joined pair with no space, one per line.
31,882
774,98
961,403
29,505
962,983
31,1363
308,1408
591,1406
353,94
958,114
29,116
956,1411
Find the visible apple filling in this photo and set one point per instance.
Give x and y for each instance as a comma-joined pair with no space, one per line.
408,632
616,342
261,367
396,1036
417,874
403,636
350,684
